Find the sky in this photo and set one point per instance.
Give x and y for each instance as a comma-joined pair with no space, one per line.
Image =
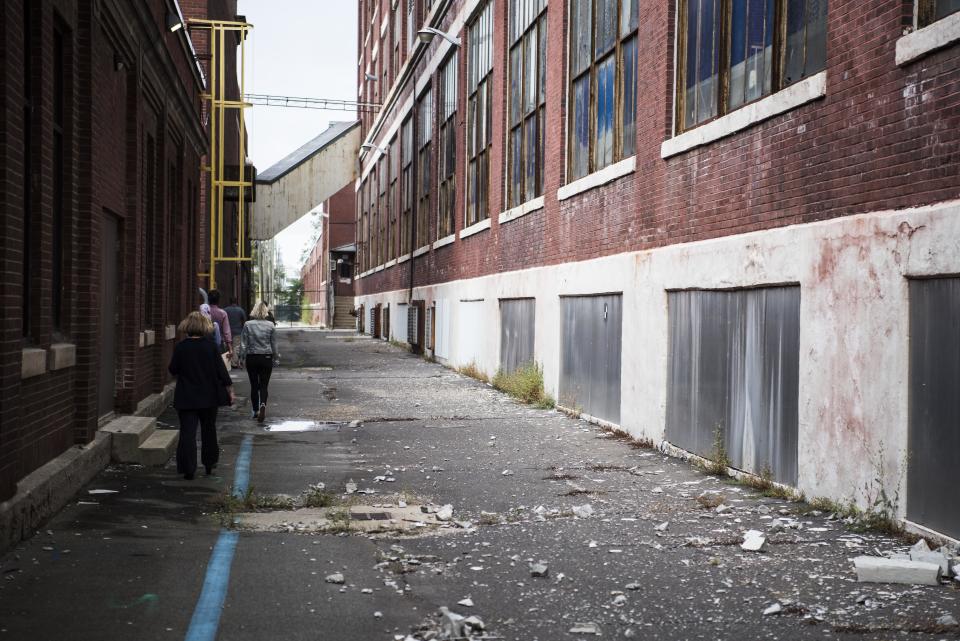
300,48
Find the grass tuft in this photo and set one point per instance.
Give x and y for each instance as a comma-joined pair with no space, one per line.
473,371
526,385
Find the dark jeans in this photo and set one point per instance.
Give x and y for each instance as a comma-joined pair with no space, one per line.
187,447
259,367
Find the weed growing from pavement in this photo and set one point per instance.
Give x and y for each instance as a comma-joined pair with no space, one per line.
473,371
400,344
621,435
719,461
526,385
317,498
228,503
339,519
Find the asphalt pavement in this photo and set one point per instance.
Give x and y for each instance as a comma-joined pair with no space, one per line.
385,438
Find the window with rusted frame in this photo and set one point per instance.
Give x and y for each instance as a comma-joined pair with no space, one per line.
397,36
479,66
732,52
447,175
406,177
603,79
424,165
383,179
929,11
393,198
527,99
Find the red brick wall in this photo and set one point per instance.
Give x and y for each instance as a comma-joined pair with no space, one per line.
42,416
883,137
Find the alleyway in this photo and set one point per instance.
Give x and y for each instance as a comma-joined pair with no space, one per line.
130,564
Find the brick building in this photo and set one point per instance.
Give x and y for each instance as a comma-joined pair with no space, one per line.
703,219
102,139
327,274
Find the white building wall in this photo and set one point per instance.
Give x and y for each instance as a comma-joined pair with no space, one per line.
854,333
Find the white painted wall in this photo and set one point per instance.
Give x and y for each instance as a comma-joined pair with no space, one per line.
853,327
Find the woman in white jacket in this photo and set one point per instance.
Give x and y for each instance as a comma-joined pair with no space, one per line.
258,352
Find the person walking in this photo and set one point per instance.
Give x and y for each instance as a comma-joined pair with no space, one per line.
203,384
258,353
223,322
237,318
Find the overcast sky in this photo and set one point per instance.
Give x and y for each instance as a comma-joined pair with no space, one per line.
301,48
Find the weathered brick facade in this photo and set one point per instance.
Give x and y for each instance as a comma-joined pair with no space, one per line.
337,231
883,136
131,139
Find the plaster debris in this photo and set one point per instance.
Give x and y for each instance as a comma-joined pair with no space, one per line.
632,586
336,578
539,569
583,511
657,490
619,600
872,569
506,473
445,513
662,527
353,424
366,591
102,491
468,602
776,608
475,622
723,508
350,487
947,621
585,628
753,541
377,614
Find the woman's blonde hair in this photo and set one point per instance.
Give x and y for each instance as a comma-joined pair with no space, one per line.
260,311
196,324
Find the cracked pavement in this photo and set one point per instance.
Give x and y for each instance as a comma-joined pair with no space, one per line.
130,564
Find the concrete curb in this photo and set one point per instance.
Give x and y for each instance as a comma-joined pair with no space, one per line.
154,404
46,490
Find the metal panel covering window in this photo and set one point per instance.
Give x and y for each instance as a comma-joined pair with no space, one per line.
406,185
590,347
447,110
479,120
732,52
929,11
517,332
424,165
603,79
934,430
527,98
734,376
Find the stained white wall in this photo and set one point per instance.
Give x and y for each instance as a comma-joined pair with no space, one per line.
854,331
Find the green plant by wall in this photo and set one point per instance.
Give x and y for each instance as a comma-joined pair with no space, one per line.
526,385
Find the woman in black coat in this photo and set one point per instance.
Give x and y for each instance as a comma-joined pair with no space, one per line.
203,384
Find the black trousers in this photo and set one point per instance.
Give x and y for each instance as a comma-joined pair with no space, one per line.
259,367
187,447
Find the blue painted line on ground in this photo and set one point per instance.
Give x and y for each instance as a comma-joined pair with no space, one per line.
241,474
206,616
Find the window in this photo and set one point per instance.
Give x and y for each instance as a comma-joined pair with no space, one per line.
363,228
929,11
424,136
361,256
732,52
411,22
479,65
29,234
527,96
148,272
406,198
393,200
59,175
397,35
447,110
383,179
603,72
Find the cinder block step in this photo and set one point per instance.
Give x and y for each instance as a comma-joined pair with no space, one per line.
128,434
158,449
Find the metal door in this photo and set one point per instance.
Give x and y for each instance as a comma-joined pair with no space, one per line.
934,430
590,346
108,313
517,327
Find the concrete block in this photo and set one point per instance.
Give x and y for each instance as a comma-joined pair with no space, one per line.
170,332
149,336
932,557
159,447
34,362
46,490
61,356
871,569
129,433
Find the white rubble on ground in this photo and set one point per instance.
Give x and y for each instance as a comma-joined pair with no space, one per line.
753,541
583,511
872,569
539,569
335,578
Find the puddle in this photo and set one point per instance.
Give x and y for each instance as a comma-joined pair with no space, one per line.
302,426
